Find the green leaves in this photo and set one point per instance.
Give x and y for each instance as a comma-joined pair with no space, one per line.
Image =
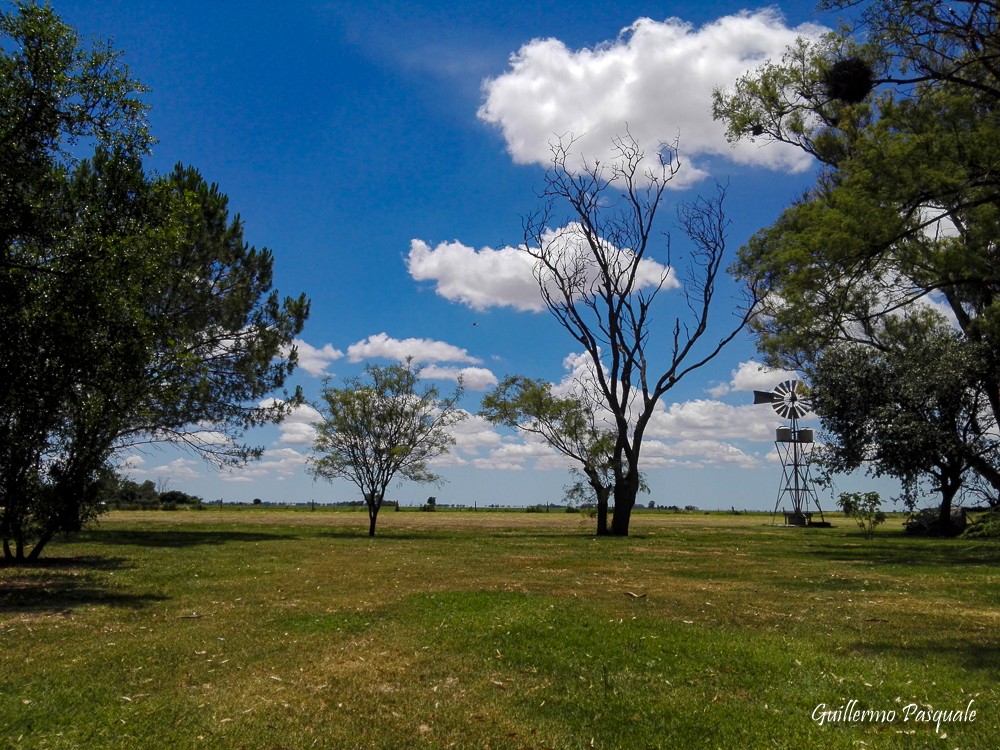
380,426
865,508
914,410
895,244
133,309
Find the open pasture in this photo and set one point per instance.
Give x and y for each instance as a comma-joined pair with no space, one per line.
268,629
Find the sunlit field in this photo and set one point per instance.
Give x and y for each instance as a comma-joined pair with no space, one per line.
267,629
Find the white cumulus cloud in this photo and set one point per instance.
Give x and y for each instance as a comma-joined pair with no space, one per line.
505,277
473,378
752,376
313,360
296,428
696,454
477,278
179,468
657,78
704,419
383,346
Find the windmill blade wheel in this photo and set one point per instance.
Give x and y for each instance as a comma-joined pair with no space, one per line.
790,401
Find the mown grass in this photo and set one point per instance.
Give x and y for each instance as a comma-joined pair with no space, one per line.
281,629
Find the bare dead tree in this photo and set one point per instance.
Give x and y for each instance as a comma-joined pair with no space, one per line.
599,279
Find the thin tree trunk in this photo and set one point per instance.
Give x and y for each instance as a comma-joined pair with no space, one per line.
602,511
372,516
40,544
602,494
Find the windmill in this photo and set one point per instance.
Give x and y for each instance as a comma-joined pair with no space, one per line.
791,401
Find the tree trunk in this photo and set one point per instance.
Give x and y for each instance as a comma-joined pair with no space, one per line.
625,494
40,544
602,494
374,502
951,482
602,511
985,470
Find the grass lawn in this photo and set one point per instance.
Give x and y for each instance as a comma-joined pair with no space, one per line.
267,629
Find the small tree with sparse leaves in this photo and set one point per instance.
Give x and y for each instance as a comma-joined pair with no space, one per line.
865,508
376,428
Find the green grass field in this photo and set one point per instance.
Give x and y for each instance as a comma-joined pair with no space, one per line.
267,629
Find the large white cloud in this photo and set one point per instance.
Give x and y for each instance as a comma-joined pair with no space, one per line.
752,376
656,77
473,378
297,428
474,432
704,419
478,278
515,456
696,454
505,277
179,468
383,346
313,360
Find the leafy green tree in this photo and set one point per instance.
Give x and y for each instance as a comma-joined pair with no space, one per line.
133,309
909,412
569,425
55,98
176,497
566,424
381,426
903,219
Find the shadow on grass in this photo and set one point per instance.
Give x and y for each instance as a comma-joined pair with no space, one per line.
88,562
165,538
910,552
965,655
59,584
432,534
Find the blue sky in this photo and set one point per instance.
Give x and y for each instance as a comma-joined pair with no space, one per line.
385,151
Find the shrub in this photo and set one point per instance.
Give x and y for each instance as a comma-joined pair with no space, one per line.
986,526
865,508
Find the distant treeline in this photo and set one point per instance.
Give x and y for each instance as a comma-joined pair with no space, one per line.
125,494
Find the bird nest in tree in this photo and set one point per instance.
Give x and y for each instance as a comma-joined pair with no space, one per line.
850,80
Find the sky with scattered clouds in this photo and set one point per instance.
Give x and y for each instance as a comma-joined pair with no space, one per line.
387,152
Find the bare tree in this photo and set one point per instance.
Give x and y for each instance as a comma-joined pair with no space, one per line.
599,279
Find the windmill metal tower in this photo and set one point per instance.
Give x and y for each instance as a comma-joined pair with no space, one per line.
794,444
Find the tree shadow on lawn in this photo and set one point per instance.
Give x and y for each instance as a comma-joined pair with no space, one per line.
965,655
922,552
163,538
58,584
439,534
